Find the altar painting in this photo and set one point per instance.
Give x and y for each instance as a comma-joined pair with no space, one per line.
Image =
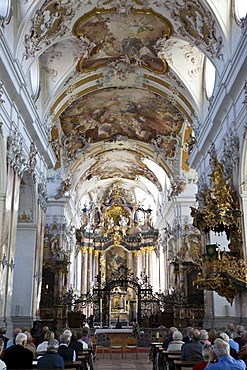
115,258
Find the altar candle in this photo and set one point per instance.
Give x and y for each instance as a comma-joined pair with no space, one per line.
100,305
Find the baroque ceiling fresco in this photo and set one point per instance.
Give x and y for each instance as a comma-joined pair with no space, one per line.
123,82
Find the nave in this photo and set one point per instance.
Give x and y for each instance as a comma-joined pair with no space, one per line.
116,363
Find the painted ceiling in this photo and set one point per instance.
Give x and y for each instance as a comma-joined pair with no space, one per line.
122,82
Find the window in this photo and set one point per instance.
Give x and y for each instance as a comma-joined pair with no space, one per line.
209,77
34,76
240,9
5,7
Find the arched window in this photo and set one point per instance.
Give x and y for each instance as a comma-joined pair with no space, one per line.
35,78
240,9
209,77
5,7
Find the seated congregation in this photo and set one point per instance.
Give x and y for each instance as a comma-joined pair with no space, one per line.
70,349
201,349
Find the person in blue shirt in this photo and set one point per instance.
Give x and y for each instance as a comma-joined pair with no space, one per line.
220,352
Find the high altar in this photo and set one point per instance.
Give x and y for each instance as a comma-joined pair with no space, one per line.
116,232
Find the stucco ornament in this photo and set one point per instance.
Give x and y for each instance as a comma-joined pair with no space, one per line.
50,22
15,154
196,24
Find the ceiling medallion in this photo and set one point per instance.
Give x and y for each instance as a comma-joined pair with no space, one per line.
129,37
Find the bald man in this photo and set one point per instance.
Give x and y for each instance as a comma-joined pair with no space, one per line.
192,351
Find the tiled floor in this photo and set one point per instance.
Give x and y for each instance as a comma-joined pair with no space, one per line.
117,363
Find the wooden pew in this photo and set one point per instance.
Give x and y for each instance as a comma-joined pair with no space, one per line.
72,364
154,350
167,358
76,365
186,364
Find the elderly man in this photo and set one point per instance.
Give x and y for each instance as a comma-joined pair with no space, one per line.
51,359
192,350
11,341
17,356
67,353
221,352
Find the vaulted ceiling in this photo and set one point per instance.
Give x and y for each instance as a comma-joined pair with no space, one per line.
122,85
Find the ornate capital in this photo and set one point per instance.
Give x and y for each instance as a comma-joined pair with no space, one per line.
136,253
32,158
96,253
64,188
15,155
1,93
84,250
42,194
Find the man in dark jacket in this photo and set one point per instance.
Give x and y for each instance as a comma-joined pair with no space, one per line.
17,356
3,332
67,353
51,359
192,350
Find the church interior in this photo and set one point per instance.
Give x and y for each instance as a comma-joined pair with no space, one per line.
123,171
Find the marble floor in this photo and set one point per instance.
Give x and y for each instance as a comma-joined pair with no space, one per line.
117,363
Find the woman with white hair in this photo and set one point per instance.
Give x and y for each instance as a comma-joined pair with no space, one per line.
204,336
176,343
221,353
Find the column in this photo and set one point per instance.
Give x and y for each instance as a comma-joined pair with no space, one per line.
89,275
103,266
130,261
38,261
163,271
24,272
143,259
9,242
96,263
89,270
150,264
146,261
84,270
